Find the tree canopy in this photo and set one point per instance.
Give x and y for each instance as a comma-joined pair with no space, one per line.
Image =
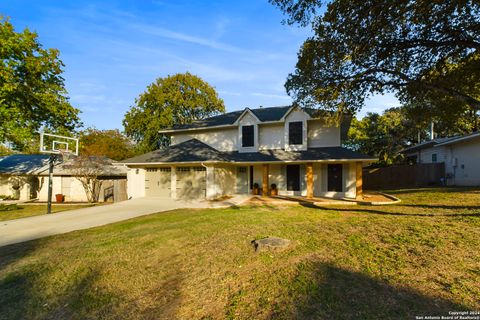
106,143
422,50
32,90
382,136
173,100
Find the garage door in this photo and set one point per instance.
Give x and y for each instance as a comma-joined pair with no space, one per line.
157,182
191,182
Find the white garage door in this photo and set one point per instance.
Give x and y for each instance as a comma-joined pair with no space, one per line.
191,182
157,182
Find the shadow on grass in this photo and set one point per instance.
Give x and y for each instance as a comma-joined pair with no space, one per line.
42,290
432,190
329,292
363,209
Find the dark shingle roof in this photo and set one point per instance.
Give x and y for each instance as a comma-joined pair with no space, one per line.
312,154
427,144
220,120
263,114
188,151
196,151
23,163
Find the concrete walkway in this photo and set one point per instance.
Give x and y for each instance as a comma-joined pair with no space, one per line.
25,229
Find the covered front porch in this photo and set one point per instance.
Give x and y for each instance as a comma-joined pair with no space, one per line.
309,179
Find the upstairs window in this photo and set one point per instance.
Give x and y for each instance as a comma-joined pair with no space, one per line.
295,132
247,136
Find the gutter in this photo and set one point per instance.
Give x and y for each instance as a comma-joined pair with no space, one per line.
202,163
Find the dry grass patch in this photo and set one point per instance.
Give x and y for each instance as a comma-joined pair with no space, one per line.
350,262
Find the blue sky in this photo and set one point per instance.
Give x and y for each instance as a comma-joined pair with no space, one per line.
113,49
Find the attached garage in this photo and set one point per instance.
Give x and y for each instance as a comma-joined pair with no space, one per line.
191,182
158,182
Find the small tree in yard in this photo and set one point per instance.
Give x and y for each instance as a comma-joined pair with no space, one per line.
88,169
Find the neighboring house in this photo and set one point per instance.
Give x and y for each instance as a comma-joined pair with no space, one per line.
229,154
25,177
461,155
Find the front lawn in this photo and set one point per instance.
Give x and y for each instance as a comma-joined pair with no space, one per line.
10,212
420,257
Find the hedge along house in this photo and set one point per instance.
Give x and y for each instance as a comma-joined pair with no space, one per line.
25,177
292,148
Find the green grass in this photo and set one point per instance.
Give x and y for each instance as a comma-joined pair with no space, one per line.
10,212
353,262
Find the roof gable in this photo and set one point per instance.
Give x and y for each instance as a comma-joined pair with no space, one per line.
245,112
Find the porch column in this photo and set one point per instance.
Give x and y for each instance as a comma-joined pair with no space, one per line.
359,179
173,182
309,180
265,180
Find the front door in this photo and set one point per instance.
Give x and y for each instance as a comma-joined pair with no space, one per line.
335,177
293,177
242,180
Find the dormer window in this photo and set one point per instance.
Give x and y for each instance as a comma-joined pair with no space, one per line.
248,133
295,133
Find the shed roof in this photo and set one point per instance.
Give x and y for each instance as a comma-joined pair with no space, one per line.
23,163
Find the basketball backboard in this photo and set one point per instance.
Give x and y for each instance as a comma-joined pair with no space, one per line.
57,144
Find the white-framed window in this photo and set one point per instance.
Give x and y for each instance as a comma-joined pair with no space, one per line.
295,133
248,136
434,157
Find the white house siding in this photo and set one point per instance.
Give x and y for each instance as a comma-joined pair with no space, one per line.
23,193
70,187
278,176
5,189
425,155
296,116
349,182
466,168
224,180
220,139
136,182
271,136
267,136
247,120
56,188
320,135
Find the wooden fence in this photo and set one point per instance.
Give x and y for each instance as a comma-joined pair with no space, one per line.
403,176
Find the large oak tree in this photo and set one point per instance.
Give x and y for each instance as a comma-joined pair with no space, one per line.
32,90
106,143
422,50
174,100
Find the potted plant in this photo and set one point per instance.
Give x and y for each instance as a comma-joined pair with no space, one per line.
273,190
255,189
60,197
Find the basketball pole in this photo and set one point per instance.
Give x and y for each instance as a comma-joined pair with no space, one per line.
51,162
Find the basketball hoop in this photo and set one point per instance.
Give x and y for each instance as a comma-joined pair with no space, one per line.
60,148
57,144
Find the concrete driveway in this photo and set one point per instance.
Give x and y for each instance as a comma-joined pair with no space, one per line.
25,229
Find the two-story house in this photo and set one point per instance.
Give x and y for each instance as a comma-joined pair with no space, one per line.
235,152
